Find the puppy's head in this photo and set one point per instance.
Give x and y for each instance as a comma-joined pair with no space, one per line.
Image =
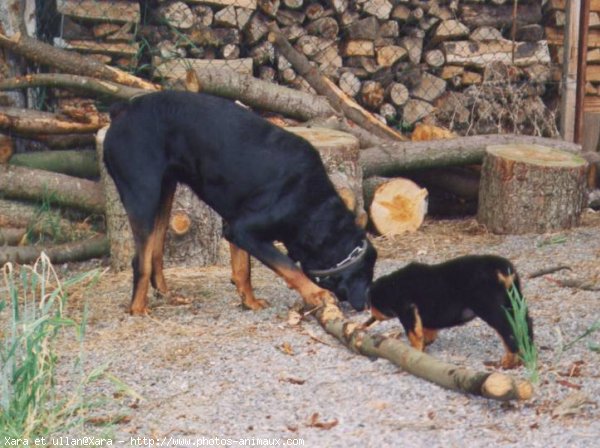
352,284
383,299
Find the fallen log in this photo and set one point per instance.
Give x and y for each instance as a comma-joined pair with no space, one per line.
29,122
494,385
19,182
64,141
392,158
78,83
70,162
11,236
63,253
69,62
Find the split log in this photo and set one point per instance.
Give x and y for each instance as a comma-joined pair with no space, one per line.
495,385
475,15
63,253
339,152
114,11
30,122
392,158
69,62
531,188
72,163
27,183
479,54
396,206
324,86
397,93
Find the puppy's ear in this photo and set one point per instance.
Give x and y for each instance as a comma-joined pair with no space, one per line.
506,280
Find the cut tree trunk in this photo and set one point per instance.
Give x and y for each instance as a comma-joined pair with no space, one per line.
391,159
72,163
30,122
396,206
492,385
198,246
339,152
76,251
27,183
531,188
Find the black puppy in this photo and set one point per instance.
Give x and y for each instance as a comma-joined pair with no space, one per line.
266,183
427,298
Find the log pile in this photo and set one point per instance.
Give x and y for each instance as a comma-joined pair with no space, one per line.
554,21
402,60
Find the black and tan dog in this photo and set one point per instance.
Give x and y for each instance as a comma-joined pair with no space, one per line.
266,183
427,298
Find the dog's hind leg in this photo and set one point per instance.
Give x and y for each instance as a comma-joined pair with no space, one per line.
241,277
161,225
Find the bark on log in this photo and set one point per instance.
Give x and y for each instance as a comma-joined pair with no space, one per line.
392,158
63,253
29,122
10,236
72,163
27,183
396,205
263,95
6,147
84,84
322,85
69,62
497,386
527,188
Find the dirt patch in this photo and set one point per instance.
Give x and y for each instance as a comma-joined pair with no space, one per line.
210,369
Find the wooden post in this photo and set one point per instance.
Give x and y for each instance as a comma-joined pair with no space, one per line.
531,188
569,75
581,69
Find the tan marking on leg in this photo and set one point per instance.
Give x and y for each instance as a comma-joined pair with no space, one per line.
429,335
378,315
241,277
416,335
160,226
506,280
312,294
510,360
139,302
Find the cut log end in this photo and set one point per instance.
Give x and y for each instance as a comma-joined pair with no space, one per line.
180,223
398,206
502,387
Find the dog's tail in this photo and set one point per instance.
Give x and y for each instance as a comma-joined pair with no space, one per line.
117,109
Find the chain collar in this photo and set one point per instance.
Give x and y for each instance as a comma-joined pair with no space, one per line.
357,254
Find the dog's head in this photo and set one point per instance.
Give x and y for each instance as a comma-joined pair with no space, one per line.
351,282
383,299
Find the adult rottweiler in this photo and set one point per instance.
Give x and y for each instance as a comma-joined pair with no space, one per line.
266,183
427,298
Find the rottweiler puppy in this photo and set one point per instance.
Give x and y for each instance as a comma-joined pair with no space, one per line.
266,183
427,298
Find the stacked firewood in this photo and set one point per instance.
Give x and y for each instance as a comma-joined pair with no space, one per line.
402,60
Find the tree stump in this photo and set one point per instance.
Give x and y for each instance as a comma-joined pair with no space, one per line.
197,245
396,205
531,188
340,154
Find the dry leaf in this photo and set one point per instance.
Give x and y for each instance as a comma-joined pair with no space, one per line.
571,405
315,423
294,318
286,348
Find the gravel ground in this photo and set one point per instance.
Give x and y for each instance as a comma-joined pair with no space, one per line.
209,369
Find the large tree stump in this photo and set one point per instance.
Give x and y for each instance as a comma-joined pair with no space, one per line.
198,244
340,154
531,188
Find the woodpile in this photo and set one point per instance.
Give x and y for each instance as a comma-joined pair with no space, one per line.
405,61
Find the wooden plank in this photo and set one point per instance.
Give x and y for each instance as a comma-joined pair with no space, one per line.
177,68
569,72
560,4
100,11
555,36
92,46
480,54
592,74
592,104
248,4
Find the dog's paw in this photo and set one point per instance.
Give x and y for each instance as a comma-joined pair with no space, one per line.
255,304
